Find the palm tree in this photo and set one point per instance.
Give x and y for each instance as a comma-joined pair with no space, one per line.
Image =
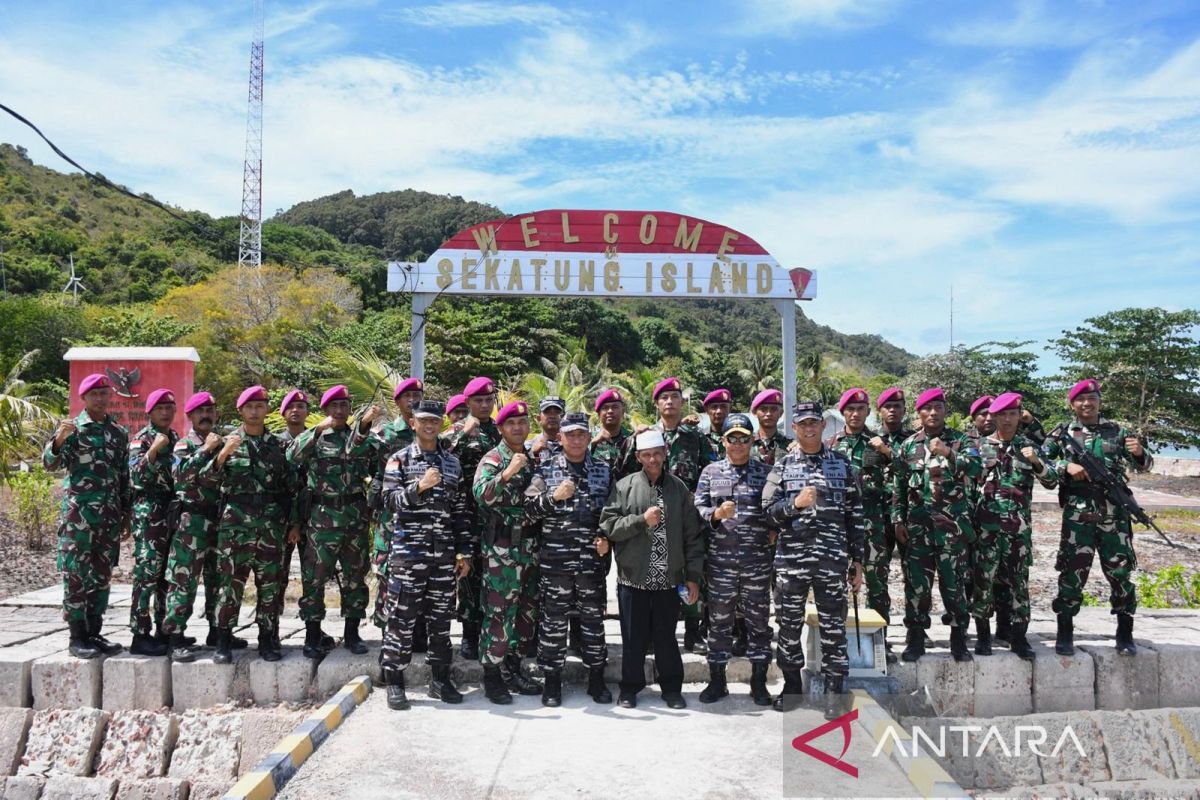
762,366
812,380
368,376
571,376
25,422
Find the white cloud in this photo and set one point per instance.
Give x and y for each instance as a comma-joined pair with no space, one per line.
781,17
485,15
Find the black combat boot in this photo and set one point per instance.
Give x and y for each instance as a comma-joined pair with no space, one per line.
397,700
1003,625
181,653
692,641
958,644
420,636
793,688
470,642
235,642
81,645
739,646
1064,640
351,640
266,643
145,645
1018,643
758,684
914,646
983,637
224,654
94,623
1125,645
574,637
493,685
836,699
441,687
597,689
312,640
515,680
717,686
552,692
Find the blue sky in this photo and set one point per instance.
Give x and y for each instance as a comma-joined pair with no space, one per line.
1044,157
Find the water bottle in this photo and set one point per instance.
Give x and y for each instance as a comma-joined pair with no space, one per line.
683,592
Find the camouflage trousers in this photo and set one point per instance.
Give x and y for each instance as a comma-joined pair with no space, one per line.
89,543
380,564
336,538
417,588
153,529
193,551
1002,555
934,550
741,591
881,544
510,585
1084,531
256,544
828,583
564,594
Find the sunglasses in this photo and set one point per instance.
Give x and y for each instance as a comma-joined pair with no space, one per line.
737,439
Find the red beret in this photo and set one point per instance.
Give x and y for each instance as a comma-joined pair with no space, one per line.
772,397
855,395
889,394
253,393
478,386
339,392
666,385
517,408
929,395
609,396
455,401
408,385
1083,387
94,381
981,404
294,396
1004,402
717,396
157,397
197,400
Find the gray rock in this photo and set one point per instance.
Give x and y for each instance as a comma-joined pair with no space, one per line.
24,787
63,742
208,748
1063,683
14,729
73,788
60,680
1002,685
1068,764
1136,746
1178,675
136,682
153,789
137,745
1125,681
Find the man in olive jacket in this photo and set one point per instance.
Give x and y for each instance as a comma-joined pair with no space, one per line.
652,521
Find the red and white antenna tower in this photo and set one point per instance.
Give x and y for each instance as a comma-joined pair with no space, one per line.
250,237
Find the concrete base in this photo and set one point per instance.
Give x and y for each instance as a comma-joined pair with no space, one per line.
1136,746
63,743
137,745
136,682
23,787
287,680
1125,681
207,748
16,672
340,665
1002,685
14,730
1178,675
63,681
1063,683
80,789
155,789
203,684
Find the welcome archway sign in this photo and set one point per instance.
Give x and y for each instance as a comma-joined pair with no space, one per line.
590,253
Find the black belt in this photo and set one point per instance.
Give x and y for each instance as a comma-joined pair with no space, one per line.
260,499
338,501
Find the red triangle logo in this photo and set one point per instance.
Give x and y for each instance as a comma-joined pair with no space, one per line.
801,743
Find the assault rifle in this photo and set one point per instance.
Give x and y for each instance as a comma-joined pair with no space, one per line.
1117,492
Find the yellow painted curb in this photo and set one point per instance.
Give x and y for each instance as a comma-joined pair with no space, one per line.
298,745
253,786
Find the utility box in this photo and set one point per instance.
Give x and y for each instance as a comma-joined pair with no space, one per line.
866,650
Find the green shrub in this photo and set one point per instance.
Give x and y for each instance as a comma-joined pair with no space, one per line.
33,509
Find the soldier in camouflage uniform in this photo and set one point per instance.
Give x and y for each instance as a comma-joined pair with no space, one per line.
770,446
338,460
813,496
424,491
456,408
717,405
93,449
738,563
981,427
1004,521
613,440
1090,521
892,433
931,512
510,581
469,440
393,436
193,548
294,410
155,511
258,495
550,413
568,492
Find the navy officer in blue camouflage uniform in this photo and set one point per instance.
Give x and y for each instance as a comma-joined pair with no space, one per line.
813,496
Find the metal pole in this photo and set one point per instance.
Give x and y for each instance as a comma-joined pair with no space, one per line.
420,304
787,316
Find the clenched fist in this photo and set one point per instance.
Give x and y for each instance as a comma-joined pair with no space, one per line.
807,497
565,490
601,546
431,478
65,429
938,447
1031,455
518,462
212,442
653,516
726,510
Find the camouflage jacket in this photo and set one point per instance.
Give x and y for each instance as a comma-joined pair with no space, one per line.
549,450
384,443
772,449
615,452
257,482
871,466
193,490
337,461
432,525
1105,440
927,483
152,480
470,448
742,539
1006,486
502,504
96,458
716,443
688,452
831,530
569,527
